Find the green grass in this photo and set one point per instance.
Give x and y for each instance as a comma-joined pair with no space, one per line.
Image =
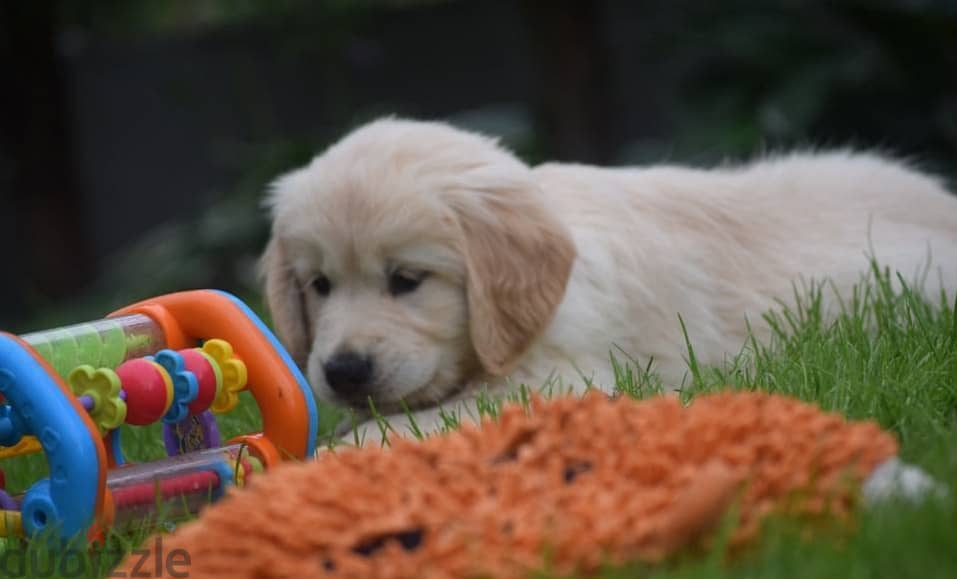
890,357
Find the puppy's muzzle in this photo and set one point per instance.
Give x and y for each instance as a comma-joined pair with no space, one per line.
349,375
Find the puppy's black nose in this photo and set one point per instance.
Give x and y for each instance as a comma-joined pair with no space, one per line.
348,373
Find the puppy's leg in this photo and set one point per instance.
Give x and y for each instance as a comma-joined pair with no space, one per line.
419,424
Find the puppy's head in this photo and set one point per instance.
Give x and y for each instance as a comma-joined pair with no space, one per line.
409,259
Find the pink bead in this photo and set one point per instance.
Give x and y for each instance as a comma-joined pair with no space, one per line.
148,392
205,378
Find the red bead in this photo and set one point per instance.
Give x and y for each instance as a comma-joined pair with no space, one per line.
148,392
197,363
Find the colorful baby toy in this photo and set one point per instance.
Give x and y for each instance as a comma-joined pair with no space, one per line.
178,359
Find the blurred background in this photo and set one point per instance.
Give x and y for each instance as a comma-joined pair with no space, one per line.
138,136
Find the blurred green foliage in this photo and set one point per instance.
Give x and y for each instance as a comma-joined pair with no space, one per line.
216,248
755,75
737,78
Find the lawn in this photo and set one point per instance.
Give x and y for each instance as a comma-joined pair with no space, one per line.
890,357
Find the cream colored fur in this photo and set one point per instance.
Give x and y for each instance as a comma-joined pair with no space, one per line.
541,273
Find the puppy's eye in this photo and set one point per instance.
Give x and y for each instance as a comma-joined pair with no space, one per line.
321,285
403,282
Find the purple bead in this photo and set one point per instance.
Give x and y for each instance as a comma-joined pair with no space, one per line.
8,503
87,402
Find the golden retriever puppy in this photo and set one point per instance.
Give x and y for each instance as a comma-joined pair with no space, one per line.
416,262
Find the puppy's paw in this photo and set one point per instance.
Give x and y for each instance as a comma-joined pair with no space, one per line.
897,479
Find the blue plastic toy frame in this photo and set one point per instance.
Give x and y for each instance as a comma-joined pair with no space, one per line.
37,400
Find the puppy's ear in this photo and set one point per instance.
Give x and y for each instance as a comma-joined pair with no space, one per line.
286,302
518,260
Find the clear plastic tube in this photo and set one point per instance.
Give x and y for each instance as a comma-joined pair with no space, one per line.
176,486
100,343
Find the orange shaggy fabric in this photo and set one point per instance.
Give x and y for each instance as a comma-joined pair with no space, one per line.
572,485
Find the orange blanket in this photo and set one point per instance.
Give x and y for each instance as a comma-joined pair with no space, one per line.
572,485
